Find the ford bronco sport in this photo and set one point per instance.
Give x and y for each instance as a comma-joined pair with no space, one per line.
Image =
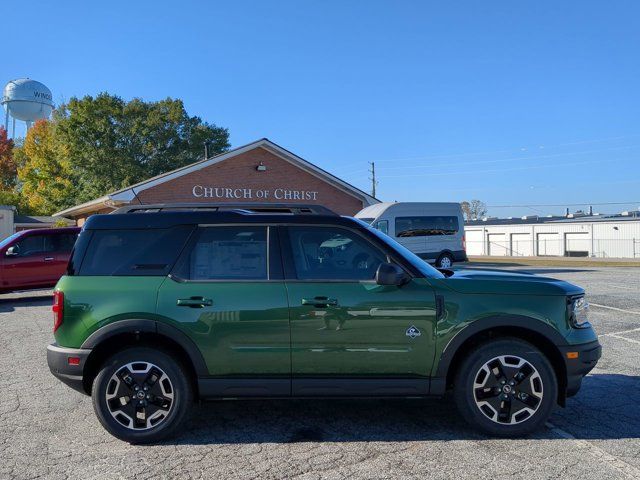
162,305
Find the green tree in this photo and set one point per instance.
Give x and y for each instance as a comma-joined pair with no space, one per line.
12,197
113,143
8,168
47,183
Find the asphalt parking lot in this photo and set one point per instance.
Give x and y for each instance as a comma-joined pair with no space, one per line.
50,431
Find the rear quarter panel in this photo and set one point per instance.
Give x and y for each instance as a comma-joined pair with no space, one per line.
92,302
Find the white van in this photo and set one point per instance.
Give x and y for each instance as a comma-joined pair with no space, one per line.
433,231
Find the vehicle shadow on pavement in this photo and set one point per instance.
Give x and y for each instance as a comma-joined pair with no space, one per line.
604,409
9,304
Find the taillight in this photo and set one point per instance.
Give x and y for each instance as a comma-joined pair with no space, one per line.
58,309
464,242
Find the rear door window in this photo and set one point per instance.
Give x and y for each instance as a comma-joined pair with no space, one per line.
226,253
59,242
133,252
64,242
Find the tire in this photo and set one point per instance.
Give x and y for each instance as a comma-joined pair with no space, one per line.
445,260
131,413
506,404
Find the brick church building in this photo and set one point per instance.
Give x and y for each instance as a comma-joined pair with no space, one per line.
260,172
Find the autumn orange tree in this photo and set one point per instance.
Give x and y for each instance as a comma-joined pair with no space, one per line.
45,178
8,168
9,195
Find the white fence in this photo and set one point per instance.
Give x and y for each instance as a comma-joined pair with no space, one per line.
548,247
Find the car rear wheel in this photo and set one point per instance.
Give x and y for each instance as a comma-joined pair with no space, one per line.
141,395
445,260
506,388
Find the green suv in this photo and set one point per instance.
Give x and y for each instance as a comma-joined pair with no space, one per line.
162,305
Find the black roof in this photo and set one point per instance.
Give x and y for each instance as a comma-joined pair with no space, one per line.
166,219
288,208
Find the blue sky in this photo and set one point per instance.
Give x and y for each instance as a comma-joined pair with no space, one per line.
513,103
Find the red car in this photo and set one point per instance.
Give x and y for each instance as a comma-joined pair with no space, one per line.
35,258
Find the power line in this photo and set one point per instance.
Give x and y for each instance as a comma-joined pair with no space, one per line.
501,170
511,159
493,152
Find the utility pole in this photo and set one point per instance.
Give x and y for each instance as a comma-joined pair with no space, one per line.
374,182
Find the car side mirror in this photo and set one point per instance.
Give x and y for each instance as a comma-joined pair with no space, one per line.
12,252
390,274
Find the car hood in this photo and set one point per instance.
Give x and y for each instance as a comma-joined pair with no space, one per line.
508,283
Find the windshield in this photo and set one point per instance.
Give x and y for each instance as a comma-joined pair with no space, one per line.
10,239
424,268
367,220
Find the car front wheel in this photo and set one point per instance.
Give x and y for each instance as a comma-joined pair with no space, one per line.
506,387
141,395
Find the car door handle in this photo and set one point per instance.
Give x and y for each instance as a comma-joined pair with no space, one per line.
48,259
320,302
194,302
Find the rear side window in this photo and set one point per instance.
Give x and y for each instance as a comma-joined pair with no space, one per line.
133,252
59,242
426,226
63,242
226,253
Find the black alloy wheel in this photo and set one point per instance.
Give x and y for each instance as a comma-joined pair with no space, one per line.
141,395
506,387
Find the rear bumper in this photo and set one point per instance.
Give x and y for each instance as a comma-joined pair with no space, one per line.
578,368
460,256
58,361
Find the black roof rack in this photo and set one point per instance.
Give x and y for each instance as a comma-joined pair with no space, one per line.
249,208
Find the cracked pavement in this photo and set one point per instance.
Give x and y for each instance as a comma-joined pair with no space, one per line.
49,431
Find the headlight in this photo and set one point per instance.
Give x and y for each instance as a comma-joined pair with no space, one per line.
578,312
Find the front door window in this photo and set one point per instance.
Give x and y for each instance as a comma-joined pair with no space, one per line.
326,253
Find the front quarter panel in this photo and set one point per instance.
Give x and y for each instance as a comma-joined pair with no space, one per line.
464,309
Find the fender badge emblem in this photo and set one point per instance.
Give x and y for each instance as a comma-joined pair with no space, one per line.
413,332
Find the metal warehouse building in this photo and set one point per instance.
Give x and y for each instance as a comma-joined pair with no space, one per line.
604,236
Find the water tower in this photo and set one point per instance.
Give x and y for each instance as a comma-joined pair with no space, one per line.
26,100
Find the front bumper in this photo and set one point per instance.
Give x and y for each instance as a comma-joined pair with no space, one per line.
58,361
579,367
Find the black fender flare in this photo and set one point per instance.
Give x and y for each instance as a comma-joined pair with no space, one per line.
150,326
487,323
